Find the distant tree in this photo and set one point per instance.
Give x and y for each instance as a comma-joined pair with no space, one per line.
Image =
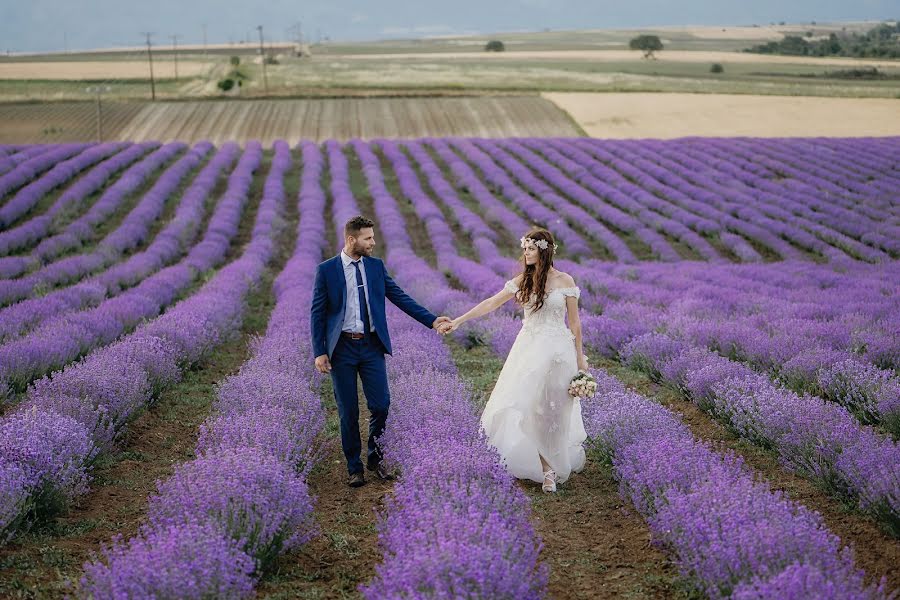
716,68
494,46
226,84
235,61
648,44
794,45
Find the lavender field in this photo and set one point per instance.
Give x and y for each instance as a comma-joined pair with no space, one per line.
164,433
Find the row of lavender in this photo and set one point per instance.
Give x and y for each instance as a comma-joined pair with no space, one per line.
680,485
820,439
642,189
816,330
823,349
220,521
693,198
74,234
724,527
456,525
172,241
811,348
479,238
12,156
49,441
817,438
34,163
64,337
64,269
69,203
249,422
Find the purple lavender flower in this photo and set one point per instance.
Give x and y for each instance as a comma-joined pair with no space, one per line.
192,560
255,498
50,452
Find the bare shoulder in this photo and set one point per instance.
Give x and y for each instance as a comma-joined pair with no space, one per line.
564,279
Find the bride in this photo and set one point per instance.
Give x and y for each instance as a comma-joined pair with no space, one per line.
530,417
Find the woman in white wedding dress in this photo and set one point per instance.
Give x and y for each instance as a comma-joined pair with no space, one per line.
530,416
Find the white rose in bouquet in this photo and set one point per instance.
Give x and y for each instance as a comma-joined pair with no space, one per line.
583,385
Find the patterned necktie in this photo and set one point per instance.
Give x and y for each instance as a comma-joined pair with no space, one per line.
360,288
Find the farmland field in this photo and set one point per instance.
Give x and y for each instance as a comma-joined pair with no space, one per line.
608,115
267,120
546,61
99,70
641,115
739,299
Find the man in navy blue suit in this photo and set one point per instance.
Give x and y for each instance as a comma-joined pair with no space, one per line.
350,337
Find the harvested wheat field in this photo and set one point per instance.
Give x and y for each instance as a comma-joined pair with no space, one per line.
648,115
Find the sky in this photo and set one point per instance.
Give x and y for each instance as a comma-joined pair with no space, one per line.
56,25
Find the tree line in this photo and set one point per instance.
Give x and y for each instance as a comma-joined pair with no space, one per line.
882,41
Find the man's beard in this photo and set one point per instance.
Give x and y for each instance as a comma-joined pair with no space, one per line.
361,250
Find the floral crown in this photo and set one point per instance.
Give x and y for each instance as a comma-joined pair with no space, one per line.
542,244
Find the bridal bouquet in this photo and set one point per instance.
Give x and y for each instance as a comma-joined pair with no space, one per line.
583,385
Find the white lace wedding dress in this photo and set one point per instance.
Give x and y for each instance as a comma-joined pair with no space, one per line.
530,413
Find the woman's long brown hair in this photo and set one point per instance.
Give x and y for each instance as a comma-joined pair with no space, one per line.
534,280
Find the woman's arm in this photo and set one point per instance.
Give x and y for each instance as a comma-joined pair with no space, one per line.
484,307
575,326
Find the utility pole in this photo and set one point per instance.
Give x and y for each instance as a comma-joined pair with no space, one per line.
295,32
175,48
150,58
205,53
262,53
99,89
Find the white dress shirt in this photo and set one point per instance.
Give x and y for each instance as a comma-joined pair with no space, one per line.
352,316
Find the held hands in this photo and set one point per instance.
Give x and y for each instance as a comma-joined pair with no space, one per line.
323,365
448,327
583,364
440,323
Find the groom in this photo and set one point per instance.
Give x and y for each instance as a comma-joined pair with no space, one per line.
350,336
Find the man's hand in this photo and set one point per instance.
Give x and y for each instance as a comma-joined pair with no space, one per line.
438,321
448,327
323,365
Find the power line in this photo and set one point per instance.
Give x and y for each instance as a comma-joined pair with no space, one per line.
99,89
262,54
174,38
150,58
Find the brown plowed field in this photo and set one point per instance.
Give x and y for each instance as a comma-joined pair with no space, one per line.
62,122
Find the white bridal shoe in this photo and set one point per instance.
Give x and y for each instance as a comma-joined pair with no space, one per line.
549,476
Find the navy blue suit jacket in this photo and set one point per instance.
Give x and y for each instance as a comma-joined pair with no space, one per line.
330,292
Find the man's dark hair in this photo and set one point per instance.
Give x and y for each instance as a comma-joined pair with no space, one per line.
358,222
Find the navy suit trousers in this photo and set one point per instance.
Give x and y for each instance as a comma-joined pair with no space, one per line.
363,357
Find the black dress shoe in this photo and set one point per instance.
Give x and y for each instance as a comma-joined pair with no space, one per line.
381,472
357,479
